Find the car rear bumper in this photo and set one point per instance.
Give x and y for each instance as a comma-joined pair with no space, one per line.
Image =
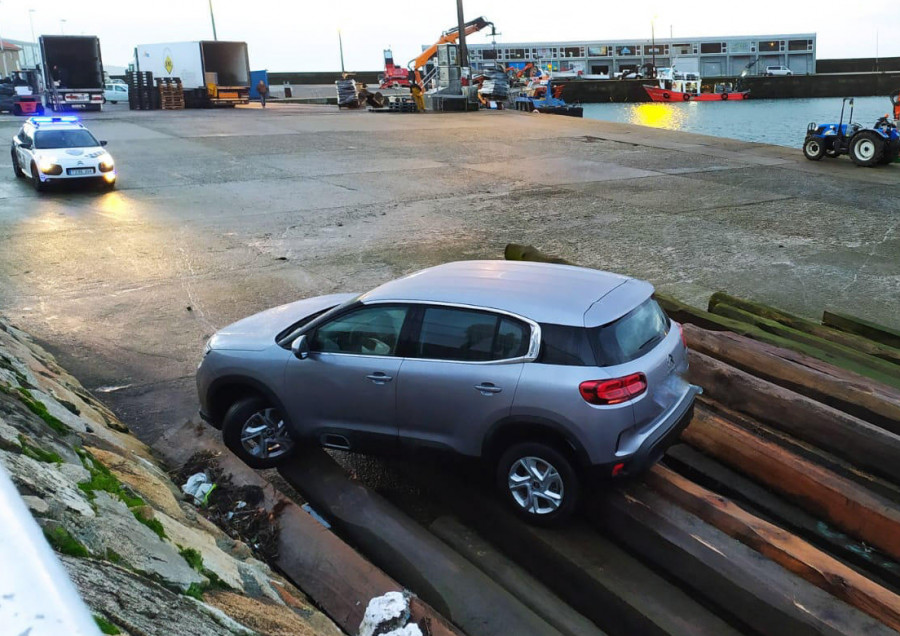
654,445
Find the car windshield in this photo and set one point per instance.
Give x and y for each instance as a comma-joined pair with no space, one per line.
631,336
44,139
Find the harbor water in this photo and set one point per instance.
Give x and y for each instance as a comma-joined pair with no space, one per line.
781,122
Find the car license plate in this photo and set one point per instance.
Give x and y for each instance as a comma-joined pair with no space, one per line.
80,171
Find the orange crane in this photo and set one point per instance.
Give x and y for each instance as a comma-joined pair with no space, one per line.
448,37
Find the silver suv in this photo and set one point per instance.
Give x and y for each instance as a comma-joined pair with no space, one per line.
552,373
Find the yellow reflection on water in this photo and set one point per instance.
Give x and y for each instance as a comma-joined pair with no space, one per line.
658,115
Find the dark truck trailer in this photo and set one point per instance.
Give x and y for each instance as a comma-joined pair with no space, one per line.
213,73
72,71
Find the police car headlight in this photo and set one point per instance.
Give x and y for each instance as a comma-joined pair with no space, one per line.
48,165
106,164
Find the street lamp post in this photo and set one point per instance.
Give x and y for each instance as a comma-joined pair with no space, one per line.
341,47
62,26
213,20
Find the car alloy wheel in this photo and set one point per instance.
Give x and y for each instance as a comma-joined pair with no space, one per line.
535,485
257,433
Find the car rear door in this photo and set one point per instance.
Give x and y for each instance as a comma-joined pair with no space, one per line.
344,393
459,376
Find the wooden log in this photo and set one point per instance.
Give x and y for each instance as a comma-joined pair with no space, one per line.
339,580
844,356
853,341
867,446
786,549
516,252
408,552
844,390
588,571
760,596
845,504
767,505
534,594
873,331
684,313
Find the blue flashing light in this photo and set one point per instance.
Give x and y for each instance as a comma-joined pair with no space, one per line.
65,119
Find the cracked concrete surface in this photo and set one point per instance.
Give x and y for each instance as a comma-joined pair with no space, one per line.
220,214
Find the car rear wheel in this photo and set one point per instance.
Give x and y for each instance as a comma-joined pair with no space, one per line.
257,433
866,149
538,482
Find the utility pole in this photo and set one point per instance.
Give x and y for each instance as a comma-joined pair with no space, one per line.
653,43
212,18
341,45
34,44
463,53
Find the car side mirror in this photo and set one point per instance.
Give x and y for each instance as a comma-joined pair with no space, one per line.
300,347
26,145
104,142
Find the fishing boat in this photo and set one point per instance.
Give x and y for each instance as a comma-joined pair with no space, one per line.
673,86
544,97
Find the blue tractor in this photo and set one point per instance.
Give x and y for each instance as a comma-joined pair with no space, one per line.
867,147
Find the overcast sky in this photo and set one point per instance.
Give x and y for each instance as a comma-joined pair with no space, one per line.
301,35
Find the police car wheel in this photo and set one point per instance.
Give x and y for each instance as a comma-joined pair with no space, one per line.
39,185
15,165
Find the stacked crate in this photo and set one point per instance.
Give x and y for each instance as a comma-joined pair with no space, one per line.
171,93
141,95
346,93
401,104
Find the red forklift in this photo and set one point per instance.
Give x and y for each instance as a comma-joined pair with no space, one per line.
20,93
394,76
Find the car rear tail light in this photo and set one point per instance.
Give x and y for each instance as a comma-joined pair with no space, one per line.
613,391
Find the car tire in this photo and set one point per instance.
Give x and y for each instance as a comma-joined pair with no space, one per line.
813,149
15,165
866,149
257,433
528,467
39,185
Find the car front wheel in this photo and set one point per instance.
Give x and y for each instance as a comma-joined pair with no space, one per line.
539,483
39,185
15,164
257,433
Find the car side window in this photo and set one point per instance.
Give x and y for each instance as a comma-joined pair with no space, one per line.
470,336
372,331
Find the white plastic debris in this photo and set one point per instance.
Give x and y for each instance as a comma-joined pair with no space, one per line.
388,614
199,487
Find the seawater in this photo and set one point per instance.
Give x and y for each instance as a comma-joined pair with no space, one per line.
781,122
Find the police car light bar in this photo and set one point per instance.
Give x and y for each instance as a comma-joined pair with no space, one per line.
55,120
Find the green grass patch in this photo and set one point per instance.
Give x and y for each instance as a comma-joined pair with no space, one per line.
105,626
151,523
193,557
195,590
41,411
65,543
38,454
113,557
103,479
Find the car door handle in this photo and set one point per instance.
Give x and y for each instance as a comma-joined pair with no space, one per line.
486,388
379,378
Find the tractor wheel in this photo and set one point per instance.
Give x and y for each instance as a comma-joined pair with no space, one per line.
813,148
866,149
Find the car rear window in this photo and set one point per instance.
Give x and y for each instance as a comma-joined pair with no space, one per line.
565,345
630,336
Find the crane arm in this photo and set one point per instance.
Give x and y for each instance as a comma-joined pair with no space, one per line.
448,37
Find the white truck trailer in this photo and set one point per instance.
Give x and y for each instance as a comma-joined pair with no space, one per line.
213,73
72,71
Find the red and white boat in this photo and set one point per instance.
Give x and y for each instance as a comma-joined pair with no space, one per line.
673,86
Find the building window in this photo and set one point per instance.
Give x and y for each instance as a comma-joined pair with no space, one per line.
682,49
659,49
711,47
573,51
516,54
489,54
742,46
626,51
769,47
599,51
800,45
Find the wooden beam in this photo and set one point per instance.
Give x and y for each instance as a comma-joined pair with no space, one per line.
848,506
784,548
849,392
853,341
408,552
760,595
873,331
842,355
516,252
867,446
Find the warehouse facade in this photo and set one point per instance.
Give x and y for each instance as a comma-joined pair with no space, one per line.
710,56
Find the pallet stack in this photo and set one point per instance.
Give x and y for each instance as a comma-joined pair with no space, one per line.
171,93
401,104
141,95
346,93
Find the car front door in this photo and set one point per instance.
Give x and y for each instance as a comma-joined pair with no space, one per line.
459,377
344,393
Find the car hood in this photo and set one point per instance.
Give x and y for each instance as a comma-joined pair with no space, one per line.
258,331
69,155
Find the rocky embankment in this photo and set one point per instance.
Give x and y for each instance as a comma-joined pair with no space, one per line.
143,558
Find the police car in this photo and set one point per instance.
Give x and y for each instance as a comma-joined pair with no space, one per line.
56,149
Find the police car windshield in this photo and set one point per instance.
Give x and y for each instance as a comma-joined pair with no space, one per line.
79,138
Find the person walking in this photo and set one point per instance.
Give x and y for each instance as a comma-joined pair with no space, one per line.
262,89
